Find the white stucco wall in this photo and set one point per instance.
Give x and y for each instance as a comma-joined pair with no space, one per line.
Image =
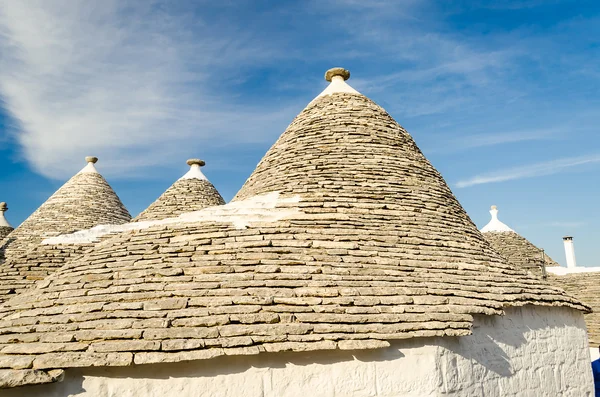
594,353
531,351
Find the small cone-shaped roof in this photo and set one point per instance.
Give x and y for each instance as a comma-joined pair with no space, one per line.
191,192
5,227
86,200
344,237
515,248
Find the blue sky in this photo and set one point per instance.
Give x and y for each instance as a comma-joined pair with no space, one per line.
501,96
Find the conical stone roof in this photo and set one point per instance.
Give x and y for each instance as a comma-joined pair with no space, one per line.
84,201
515,248
5,227
191,192
344,237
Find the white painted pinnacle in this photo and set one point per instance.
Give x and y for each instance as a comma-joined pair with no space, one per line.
195,172
495,225
337,77
570,252
3,221
90,168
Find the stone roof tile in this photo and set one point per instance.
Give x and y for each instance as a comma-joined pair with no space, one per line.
515,248
84,201
192,192
363,243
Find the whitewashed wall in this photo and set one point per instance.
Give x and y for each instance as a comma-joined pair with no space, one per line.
531,351
594,353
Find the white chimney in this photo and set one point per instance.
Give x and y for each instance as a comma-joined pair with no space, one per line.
569,251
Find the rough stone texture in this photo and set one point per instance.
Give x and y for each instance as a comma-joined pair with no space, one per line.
86,200
519,251
586,287
530,352
185,195
19,377
5,231
345,74
22,271
378,249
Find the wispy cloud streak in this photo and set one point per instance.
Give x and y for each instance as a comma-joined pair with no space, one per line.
572,225
132,82
529,171
473,141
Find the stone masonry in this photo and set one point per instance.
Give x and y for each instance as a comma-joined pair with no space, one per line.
519,251
86,200
379,250
185,195
374,247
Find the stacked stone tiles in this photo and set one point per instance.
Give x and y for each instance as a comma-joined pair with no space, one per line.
519,251
372,246
515,248
192,192
5,227
86,200
23,270
585,287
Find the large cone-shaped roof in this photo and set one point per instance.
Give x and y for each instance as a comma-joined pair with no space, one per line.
86,200
345,236
191,192
515,248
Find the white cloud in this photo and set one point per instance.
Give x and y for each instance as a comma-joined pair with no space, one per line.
569,225
529,171
478,140
126,81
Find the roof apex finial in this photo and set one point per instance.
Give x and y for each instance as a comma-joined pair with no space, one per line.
194,172
3,222
91,159
198,162
494,212
333,72
494,225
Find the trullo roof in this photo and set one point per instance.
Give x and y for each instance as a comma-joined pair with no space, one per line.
344,237
86,200
5,227
515,248
191,192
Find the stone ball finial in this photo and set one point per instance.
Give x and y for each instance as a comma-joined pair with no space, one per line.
3,207
198,162
494,207
91,159
331,73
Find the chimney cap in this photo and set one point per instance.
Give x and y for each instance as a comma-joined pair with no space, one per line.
493,207
198,162
331,73
567,238
91,159
3,206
